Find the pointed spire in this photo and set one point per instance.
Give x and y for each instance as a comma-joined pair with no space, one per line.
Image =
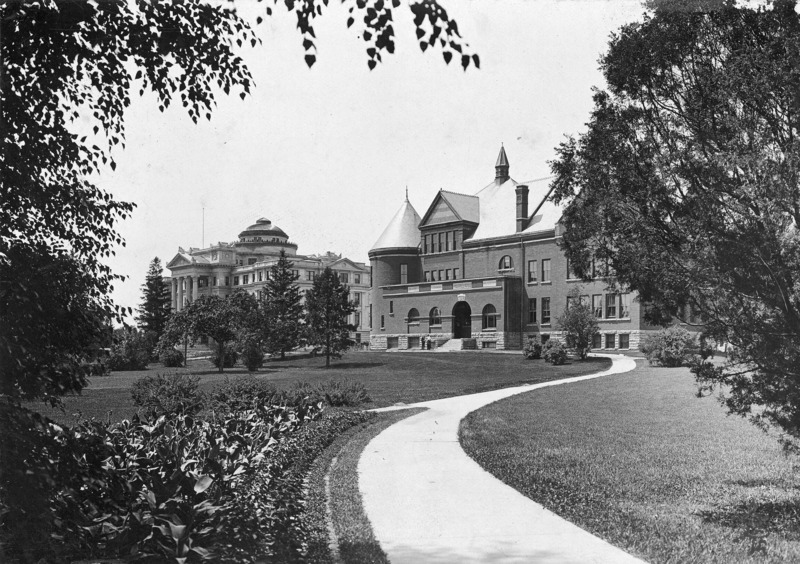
402,231
501,166
406,192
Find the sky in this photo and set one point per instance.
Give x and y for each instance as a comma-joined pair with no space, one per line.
327,153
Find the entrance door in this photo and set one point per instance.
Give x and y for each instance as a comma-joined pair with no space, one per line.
462,324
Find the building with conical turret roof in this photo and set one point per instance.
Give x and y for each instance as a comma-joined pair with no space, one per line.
485,270
245,264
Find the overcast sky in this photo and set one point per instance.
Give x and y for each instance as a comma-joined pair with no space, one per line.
326,153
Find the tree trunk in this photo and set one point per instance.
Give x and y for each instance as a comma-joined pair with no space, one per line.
328,351
221,348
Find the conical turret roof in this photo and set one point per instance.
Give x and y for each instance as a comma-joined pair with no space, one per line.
402,231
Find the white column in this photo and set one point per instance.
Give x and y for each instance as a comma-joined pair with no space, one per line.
180,293
195,284
174,294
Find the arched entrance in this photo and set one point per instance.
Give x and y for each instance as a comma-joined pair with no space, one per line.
462,324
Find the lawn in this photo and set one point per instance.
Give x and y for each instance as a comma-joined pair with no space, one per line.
390,378
640,461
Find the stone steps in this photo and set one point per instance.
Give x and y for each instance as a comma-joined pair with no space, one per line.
458,345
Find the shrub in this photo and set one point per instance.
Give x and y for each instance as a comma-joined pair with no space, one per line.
336,393
168,394
171,358
555,352
129,351
163,490
244,392
252,356
671,346
533,349
231,357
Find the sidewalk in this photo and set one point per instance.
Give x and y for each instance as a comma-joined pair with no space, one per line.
428,502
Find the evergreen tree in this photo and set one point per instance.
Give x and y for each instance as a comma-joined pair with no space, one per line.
283,308
327,307
155,308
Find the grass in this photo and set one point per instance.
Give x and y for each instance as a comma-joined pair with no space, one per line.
390,378
356,541
641,462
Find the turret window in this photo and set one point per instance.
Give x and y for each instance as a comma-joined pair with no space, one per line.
404,274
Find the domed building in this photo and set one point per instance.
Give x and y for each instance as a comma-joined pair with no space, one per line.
245,265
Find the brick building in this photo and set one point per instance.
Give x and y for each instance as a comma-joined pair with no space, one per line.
485,271
245,264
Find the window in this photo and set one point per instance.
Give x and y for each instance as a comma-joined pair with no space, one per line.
597,305
427,276
570,272
433,243
447,274
545,310
344,278
447,241
610,340
309,275
505,263
370,316
572,301
455,274
425,244
439,277
413,315
455,240
611,306
585,301
404,274
594,268
624,341
435,317
357,319
532,310
267,274
260,276
489,317
227,281
357,299
391,306
235,280
251,261
624,308
545,270
357,278
214,255
296,274
597,341
532,271
246,279
383,322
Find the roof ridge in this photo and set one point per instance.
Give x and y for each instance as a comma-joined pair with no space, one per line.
457,193
538,179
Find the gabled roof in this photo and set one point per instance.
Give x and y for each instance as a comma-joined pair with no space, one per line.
345,261
498,205
402,231
451,206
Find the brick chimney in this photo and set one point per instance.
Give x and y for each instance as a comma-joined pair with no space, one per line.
522,207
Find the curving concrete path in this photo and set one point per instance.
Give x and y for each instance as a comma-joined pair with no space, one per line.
429,502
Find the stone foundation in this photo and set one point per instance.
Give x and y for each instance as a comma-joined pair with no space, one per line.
498,340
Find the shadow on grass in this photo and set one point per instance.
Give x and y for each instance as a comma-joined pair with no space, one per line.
754,519
349,365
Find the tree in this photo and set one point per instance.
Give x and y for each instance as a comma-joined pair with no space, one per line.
327,307
155,308
579,324
67,70
222,319
688,181
284,309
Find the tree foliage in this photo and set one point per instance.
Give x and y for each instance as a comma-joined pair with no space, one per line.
155,308
327,307
688,181
284,308
578,323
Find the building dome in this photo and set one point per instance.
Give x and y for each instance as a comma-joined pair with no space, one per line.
262,231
